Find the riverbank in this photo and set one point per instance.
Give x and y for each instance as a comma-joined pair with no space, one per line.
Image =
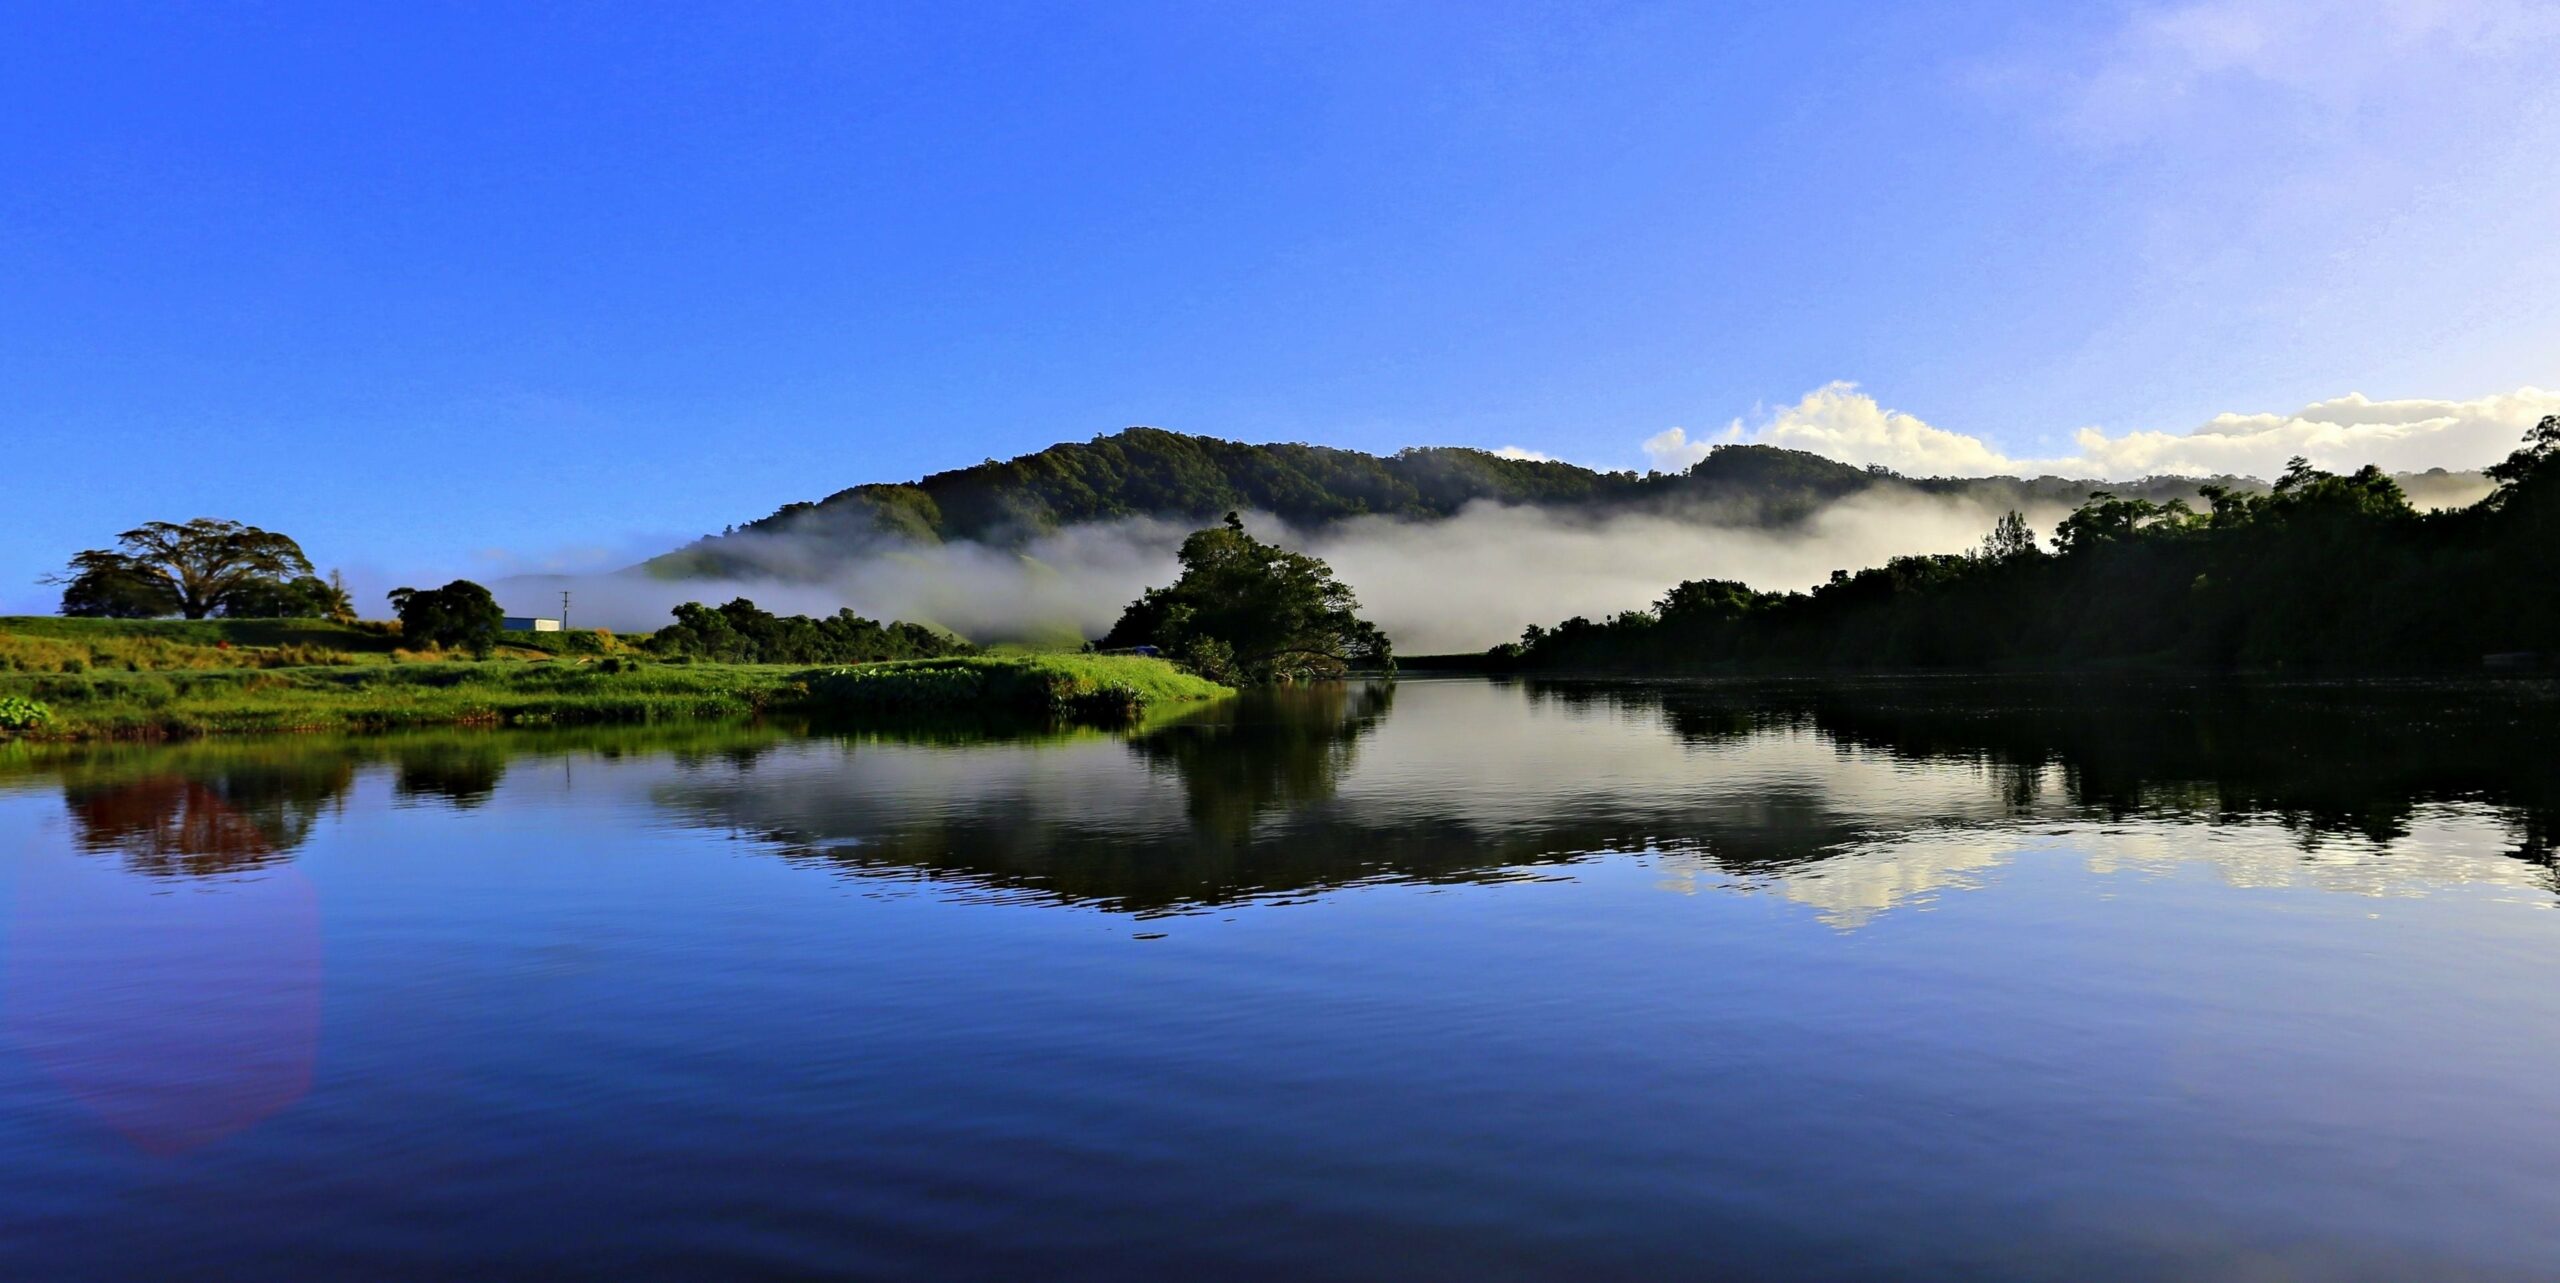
50,644
189,702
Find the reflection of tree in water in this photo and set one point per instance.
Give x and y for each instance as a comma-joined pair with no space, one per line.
1270,751
737,757
2322,760
197,825
1798,777
1243,766
464,772
213,807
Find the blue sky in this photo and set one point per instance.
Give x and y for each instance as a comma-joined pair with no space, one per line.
459,289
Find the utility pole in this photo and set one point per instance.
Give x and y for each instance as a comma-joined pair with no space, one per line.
564,610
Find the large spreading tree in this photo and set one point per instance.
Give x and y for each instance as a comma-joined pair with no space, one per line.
196,569
1245,610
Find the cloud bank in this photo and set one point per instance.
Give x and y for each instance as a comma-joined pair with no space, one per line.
1462,583
1841,422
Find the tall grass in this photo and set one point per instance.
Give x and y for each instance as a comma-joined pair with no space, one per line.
42,644
380,696
1101,688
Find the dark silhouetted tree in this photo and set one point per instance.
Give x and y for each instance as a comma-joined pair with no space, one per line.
1250,611
744,633
2010,540
305,597
2322,569
460,614
195,569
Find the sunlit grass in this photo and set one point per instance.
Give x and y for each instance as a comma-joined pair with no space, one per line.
117,704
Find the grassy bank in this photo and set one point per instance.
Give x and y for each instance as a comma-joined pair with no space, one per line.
45,644
1073,687
186,702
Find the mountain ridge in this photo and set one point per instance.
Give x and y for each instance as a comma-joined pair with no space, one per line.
1156,473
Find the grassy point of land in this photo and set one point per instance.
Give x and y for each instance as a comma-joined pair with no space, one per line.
176,679
1071,686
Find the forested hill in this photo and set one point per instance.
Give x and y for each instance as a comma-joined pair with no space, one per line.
1154,473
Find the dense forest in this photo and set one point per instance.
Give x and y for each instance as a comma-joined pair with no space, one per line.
1153,473
2321,569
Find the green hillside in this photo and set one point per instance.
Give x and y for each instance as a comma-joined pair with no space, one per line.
1153,473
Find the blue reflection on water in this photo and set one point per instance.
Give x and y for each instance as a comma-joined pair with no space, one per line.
1460,979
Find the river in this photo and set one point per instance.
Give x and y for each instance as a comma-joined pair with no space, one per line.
1452,978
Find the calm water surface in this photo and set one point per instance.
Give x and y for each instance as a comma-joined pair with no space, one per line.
1455,979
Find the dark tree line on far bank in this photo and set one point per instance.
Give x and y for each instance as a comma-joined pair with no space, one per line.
209,568
2325,570
742,632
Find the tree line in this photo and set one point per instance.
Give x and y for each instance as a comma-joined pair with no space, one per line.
2322,570
464,615
743,633
208,568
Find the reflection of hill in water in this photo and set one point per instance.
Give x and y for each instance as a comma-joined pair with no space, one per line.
2323,760
1866,795
1852,798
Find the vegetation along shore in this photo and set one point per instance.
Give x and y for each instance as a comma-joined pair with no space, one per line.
108,679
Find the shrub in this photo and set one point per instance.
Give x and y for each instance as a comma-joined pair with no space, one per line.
18,713
461,613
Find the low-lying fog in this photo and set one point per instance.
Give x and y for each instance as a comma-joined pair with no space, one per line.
1459,584
1463,583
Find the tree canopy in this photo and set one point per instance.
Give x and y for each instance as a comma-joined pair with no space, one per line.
2322,569
460,614
1245,610
196,569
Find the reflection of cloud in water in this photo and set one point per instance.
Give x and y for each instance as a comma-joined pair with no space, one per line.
2448,845
2452,846
1851,814
1851,889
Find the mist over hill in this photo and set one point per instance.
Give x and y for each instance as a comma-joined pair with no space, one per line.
1450,547
1171,476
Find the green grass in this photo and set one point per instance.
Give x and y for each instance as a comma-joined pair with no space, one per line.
107,761
205,632
1077,687
382,695
44,644
37,644
127,705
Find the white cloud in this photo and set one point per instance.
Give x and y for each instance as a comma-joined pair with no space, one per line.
1673,450
1839,421
2411,435
2344,433
1523,453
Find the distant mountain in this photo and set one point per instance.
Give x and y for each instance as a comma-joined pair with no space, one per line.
1149,472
